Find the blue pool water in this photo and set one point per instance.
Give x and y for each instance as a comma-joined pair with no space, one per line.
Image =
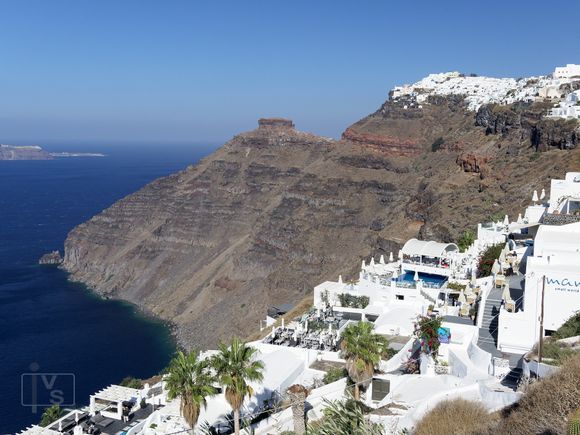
48,322
436,280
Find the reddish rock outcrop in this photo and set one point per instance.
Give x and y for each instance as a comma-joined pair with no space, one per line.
473,163
395,146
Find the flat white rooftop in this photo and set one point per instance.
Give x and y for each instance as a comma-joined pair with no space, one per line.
117,393
39,430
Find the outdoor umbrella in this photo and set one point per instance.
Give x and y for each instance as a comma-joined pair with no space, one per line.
535,196
461,297
501,257
520,220
416,277
506,296
495,268
391,257
506,220
382,259
543,194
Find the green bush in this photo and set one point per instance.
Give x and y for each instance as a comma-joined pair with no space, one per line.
553,351
344,418
426,330
334,374
465,240
435,146
570,328
348,300
50,415
574,423
488,258
455,286
131,382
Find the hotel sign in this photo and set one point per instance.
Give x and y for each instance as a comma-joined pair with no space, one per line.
568,285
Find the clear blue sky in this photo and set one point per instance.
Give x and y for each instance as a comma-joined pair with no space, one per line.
190,71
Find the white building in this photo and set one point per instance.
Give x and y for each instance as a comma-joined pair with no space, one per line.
553,281
568,71
398,290
569,108
552,273
565,195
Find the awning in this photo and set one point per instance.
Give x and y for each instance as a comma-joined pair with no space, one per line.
415,247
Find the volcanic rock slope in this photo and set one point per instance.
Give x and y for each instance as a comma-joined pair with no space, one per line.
275,211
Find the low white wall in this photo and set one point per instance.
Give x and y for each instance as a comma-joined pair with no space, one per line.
456,365
540,370
400,357
495,400
486,284
479,357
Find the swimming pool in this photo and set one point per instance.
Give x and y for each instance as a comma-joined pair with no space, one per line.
427,278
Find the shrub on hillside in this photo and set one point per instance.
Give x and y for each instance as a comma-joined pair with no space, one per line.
487,259
570,328
547,405
456,286
348,300
131,382
456,417
435,146
465,240
334,374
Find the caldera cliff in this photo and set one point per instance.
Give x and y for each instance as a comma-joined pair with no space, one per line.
275,211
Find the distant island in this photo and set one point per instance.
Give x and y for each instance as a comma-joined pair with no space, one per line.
65,154
34,152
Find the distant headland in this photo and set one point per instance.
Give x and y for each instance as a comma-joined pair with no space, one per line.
34,152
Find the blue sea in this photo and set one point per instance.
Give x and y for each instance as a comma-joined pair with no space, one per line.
51,325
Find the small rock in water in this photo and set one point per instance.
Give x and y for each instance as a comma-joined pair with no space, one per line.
51,258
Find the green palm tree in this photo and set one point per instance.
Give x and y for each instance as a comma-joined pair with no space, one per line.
344,418
50,415
188,378
362,350
236,365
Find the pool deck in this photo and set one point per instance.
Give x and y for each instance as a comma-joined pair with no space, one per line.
120,426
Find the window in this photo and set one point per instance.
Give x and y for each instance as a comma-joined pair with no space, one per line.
400,297
381,388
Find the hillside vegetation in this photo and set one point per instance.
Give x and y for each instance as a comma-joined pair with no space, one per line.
544,409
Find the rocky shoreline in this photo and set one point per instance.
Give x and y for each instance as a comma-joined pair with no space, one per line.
52,258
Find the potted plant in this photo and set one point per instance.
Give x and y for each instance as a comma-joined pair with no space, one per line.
427,332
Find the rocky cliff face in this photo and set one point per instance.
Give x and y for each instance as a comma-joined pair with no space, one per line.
527,121
276,211
257,223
